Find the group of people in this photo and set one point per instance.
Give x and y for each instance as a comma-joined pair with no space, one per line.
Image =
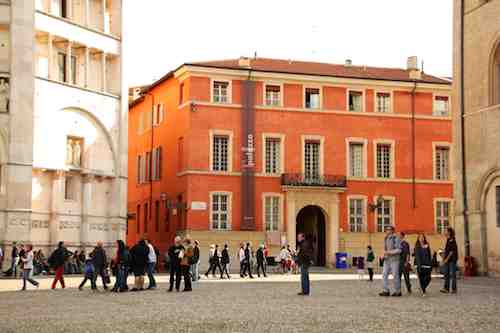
397,261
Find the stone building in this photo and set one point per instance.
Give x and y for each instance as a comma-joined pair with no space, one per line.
260,149
481,123
63,123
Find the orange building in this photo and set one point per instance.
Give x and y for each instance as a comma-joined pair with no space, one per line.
260,149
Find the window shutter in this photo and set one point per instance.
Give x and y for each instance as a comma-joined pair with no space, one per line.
159,162
161,113
153,163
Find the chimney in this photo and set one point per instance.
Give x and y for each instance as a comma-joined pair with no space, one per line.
412,67
348,62
244,62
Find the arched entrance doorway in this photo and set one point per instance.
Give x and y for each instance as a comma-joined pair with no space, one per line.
311,222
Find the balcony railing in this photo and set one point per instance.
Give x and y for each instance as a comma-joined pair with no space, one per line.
300,179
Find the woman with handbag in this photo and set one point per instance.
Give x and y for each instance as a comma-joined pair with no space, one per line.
186,256
423,260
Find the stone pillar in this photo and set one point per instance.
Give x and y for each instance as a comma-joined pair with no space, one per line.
87,13
103,71
69,9
69,69
87,185
291,222
58,181
87,67
103,8
50,44
332,245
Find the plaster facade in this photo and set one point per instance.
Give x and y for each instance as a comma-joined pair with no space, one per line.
63,130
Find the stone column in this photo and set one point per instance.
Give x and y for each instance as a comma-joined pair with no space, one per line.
57,206
103,8
50,44
291,220
332,245
87,13
87,67
69,70
87,185
103,71
69,9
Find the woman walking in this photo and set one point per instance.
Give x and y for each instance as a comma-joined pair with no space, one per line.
423,260
27,262
121,262
370,258
225,262
139,264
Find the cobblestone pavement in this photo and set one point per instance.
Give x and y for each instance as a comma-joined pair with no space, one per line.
337,304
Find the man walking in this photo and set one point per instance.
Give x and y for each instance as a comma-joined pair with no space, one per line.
225,260
450,262
151,265
260,260
100,262
247,263
404,262
241,256
57,260
14,254
392,254
195,272
304,260
175,264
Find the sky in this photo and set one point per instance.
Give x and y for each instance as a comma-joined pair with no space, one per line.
160,35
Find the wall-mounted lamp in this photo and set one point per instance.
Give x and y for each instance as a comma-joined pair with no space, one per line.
377,204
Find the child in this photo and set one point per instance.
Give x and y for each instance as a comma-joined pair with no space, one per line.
89,274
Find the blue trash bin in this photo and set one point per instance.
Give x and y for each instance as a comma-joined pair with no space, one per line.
341,260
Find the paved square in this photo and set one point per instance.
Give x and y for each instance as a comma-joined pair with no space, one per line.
271,305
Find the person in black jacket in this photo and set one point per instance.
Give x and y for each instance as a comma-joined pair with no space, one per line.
247,264
175,264
57,260
225,262
423,261
100,262
139,254
260,260
195,267
304,260
121,263
450,262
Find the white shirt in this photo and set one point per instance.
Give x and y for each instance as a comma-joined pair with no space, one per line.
1,253
28,261
284,254
152,254
242,255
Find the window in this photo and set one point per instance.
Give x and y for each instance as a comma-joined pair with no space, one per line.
356,159
272,212
141,161
273,155
73,69
220,211
384,215
74,149
61,66
442,216
220,92
148,167
139,169
180,153
158,114
311,162
355,101
181,93
383,102
273,95
60,8
356,215
69,188
497,189
157,162
442,163
157,216
146,213
384,161
220,153
138,218
441,106
312,98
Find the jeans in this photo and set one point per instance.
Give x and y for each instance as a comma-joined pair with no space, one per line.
14,266
392,266
175,276
26,277
151,277
195,271
260,266
121,278
450,274
304,279
404,272
102,273
224,271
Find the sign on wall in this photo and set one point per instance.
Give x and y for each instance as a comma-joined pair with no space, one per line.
198,205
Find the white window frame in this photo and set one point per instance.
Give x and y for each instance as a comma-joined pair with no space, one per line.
321,140
434,110
364,198
392,143
450,217
229,134
320,88
264,99
229,209
393,211
281,210
158,114
375,101
72,197
229,90
281,137
435,146
364,142
363,100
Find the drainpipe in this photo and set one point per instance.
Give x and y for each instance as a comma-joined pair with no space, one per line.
462,129
413,147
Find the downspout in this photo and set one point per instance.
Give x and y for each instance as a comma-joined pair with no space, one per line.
413,148
462,129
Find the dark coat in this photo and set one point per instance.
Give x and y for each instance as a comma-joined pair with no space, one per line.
58,257
196,254
139,255
451,247
99,258
423,256
225,257
173,255
260,256
305,253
